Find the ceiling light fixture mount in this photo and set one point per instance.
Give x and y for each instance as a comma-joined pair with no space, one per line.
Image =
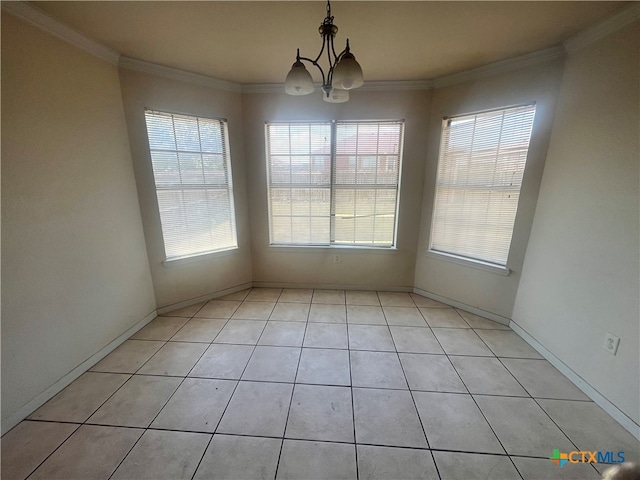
344,71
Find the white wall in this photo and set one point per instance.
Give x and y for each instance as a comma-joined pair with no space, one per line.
488,291
580,276
392,269
74,264
179,282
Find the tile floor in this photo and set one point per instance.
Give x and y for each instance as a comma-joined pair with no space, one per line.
296,384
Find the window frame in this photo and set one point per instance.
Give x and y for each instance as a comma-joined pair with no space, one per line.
333,186
229,184
461,259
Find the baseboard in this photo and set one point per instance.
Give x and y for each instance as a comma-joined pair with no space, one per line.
463,306
58,386
331,286
618,415
203,298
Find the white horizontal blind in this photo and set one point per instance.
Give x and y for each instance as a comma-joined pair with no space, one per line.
333,183
480,169
192,171
366,174
299,171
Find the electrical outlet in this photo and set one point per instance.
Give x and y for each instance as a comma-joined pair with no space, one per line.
611,343
336,259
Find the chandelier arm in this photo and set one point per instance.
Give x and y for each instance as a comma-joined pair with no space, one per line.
316,64
340,55
331,64
324,45
337,57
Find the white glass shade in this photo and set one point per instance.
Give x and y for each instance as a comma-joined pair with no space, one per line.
348,73
299,81
336,95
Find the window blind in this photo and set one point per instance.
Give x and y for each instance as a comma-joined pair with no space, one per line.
333,183
366,175
192,172
480,170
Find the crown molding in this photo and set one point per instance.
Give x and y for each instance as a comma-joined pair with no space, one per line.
603,29
396,85
368,86
177,74
502,66
267,87
38,18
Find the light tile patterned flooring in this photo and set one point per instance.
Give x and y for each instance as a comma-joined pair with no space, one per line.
295,384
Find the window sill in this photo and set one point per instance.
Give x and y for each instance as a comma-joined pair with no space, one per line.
478,264
331,248
200,257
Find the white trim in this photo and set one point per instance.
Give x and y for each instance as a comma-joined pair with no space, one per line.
618,415
332,249
603,29
331,286
38,18
266,88
468,262
462,306
41,399
203,298
199,257
177,74
396,85
503,66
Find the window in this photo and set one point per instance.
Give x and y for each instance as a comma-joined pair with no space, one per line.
334,183
190,158
480,170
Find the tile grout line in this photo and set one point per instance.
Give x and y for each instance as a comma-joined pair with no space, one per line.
284,432
54,450
132,375
84,422
527,391
230,396
127,454
170,396
353,407
185,376
476,403
468,393
424,430
484,416
175,430
535,399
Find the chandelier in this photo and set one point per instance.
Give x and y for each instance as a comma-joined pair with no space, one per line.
344,72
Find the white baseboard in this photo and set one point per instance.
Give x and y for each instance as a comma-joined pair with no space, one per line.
203,298
37,402
331,286
618,415
463,306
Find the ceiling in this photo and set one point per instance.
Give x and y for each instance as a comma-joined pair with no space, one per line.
255,42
